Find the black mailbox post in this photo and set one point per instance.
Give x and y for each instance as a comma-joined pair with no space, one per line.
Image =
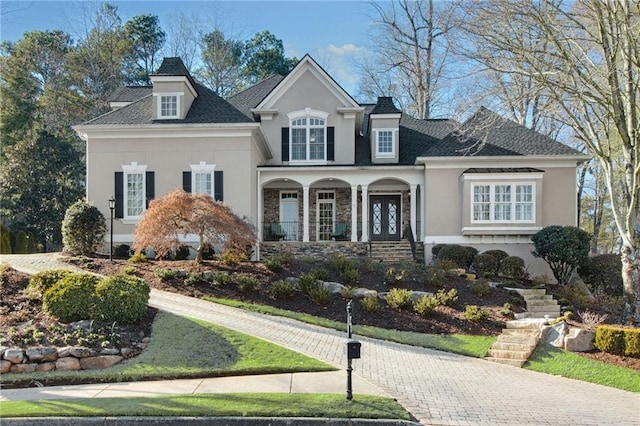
353,352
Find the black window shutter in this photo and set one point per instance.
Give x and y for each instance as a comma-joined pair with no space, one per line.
331,135
218,185
118,192
186,181
151,187
285,144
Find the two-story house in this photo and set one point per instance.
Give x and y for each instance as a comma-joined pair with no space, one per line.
317,172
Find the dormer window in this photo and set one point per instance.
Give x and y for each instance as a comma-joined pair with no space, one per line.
169,105
308,138
385,142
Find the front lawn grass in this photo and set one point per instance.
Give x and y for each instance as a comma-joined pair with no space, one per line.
474,346
218,405
551,360
184,348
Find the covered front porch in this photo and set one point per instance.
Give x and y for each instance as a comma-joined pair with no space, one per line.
330,204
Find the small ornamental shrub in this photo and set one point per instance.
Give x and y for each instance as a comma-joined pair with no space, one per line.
435,277
246,283
632,342
436,249
448,298
398,298
273,264
221,278
5,240
507,310
341,264
21,243
231,257
282,289
208,252
72,298
121,251
370,304
165,274
602,274
563,248
460,256
425,305
610,339
394,276
471,253
485,265
591,320
194,278
320,274
183,252
129,270
307,282
122,299
319,294
83,228
480,288
498,254
474,314
350,276
137,258
513,266
347,292
43,281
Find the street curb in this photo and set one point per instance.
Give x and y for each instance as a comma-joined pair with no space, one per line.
199,421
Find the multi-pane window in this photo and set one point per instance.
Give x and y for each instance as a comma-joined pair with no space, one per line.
168,106
502,203
308,139
202,178
385,142
135,194
326,214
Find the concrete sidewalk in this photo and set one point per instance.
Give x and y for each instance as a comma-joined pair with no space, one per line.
324,382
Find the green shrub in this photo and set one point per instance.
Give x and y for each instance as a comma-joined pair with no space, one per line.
448,298
5,240
282,289
72,298
129,270
246,283
425,305
232,257
319,294
122,299
350,276
394,276
563,248
165,274
137,258
83,228
498,254
436,249
474,314
21,243
195,277
513,266
273,264
480,288
307,282
43,281
610,339
341,264
348,292
370,304
435,277
471,253
183,252
632,342
208,252
507,310
121,251
485,265
320,274
602,274
221,278
460,256
398,298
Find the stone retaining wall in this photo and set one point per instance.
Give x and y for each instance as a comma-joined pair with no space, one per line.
318,250
70,358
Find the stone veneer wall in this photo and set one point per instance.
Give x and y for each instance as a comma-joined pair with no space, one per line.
319,250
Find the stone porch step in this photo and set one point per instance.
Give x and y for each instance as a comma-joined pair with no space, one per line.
518,339
513,362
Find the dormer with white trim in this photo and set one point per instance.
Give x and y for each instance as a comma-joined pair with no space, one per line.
384,132
173,90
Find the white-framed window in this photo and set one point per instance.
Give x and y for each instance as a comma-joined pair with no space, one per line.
385,142
169,105
326,212
134,180
503,202
308,135
202,178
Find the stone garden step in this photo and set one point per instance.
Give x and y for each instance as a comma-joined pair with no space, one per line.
518,339
508,354
513,347
508,361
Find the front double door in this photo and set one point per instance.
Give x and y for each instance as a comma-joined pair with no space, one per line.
385,217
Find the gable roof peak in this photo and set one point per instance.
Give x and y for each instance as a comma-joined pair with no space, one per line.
172,66
385,105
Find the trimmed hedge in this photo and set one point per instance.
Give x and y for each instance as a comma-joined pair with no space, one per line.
514,267
72,298
459,255
486,264
122,299
617,340
43,281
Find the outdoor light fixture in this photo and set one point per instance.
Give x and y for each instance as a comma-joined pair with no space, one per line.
112,206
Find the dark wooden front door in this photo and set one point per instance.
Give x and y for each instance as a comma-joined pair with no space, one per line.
385,217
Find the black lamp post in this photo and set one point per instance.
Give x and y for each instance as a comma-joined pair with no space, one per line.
112,206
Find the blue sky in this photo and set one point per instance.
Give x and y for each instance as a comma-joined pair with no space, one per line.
333,32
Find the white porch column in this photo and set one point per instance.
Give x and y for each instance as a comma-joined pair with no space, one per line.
259,213
354,213
305,213
412,211
365,213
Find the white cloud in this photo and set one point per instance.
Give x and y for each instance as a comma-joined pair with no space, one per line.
340,63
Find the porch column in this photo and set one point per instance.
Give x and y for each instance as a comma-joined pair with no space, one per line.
305,213
260,213
354,213
365,214
412,211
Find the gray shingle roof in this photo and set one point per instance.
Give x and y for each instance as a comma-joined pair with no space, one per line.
208,107
251,97
385,105
174,66
130,93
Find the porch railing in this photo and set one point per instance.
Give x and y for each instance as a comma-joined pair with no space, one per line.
318,231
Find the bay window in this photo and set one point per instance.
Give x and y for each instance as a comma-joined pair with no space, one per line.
503,202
